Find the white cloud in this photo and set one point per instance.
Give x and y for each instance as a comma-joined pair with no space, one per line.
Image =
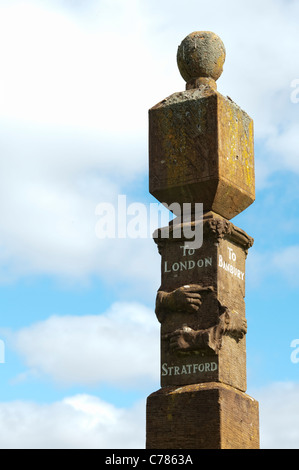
75,87
282,264
76,422
50,186
56,70
261,43
119,347
87,422
63,101
285,143
286,262
279,414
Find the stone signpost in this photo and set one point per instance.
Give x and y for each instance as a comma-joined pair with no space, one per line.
201,153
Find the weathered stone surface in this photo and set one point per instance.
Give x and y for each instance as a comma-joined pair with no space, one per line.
200,305
201,54
201,150
202,416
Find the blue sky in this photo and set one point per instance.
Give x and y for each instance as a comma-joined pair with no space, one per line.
77,312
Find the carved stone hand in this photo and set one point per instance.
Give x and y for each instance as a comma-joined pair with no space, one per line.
186,339
184,299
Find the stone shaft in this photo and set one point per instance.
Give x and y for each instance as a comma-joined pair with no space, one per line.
201,152
203,341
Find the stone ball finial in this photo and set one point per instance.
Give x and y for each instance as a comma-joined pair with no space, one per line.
200,58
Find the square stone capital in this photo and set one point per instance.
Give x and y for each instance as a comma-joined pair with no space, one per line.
201,149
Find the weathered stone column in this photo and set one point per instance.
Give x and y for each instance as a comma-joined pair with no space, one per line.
201,151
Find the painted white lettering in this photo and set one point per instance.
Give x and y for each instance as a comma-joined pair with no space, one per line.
187,265
165,268
164,369
191,264
230,268
231,254
184,370
188,369
184,248
220,261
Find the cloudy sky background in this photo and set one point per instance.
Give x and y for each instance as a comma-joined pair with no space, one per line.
77,78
